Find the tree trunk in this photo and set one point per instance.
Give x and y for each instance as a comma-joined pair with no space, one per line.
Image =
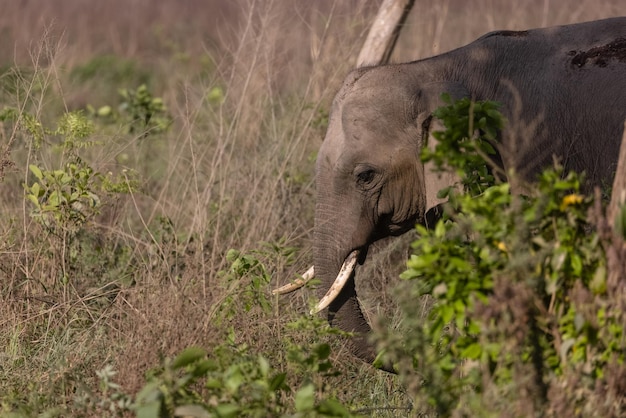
384,32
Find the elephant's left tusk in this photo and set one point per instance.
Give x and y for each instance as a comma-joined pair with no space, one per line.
296,284
344,274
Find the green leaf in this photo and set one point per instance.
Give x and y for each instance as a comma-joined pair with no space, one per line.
446,313
494,114
65,179
36,171
473,351
188,356
598,282
474,328
227,410
278,382
423,261
323,351
333,408
440,229
104,111
447,363
54,200
444,193
410,273
264,366
213,383
203,367
215,95
234,380
460,264
305,398
577,264
34,200
36,190
149,410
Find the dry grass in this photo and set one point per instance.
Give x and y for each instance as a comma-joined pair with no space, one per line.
231,173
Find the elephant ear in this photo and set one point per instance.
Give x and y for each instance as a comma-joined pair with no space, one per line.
434,181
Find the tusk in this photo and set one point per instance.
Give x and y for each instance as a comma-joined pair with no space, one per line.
296,284
340,282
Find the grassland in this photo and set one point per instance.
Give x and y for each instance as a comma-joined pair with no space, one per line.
226,165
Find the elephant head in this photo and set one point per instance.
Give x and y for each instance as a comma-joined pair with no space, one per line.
370,181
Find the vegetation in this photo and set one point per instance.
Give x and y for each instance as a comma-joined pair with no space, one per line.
525,320
156,181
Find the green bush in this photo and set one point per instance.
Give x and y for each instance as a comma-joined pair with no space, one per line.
523,321
230,382
139,111
109,69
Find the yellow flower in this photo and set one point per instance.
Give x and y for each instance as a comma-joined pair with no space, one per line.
570,199
502,246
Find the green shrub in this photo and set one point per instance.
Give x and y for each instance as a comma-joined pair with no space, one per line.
519,284
229,382
66,200
109,69
139,111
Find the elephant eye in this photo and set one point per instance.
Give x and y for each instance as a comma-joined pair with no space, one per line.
366,176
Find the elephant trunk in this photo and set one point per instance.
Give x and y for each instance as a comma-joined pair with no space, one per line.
344,312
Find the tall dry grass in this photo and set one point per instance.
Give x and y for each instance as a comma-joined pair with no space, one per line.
234,171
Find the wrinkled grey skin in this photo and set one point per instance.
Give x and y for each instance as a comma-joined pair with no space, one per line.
563,90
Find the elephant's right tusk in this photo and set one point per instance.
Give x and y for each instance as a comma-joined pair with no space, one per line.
296,284
344,274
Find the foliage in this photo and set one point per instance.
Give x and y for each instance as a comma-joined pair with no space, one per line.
467,143
139,111
249,294
109,69
143,111
247,279
232,380
64,199
141,270
96,264
245,385
24,121
520,291
229,382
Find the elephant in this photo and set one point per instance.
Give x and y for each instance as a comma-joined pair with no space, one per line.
562,90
